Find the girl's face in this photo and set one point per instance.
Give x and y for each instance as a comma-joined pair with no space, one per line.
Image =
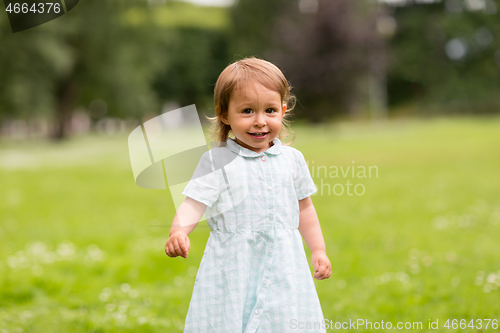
255,109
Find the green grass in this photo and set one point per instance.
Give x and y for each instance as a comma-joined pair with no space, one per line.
82,246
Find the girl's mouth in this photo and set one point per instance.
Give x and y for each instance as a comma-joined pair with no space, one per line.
258,135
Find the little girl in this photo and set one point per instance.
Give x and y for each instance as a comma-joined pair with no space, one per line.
254,275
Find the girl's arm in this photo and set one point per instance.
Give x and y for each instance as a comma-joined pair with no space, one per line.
185,220
311,232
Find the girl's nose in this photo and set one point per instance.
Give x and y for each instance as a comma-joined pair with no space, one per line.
260,121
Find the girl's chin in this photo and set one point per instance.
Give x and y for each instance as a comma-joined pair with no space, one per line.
254,144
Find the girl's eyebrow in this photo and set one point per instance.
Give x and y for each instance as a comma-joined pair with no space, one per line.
249,104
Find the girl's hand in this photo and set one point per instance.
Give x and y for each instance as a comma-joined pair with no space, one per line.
178,244
321,264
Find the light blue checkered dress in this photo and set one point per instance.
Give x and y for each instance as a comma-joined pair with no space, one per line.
254,275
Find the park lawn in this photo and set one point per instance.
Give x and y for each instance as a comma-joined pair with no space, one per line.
82,246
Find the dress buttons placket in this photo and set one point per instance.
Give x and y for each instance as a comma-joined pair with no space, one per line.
270,198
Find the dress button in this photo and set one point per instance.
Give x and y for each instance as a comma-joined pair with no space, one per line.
263,158
269,187
271,218
256,311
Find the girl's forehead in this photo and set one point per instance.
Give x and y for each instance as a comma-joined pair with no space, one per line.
244,89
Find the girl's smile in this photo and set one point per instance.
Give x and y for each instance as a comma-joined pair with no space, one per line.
255,114
259,135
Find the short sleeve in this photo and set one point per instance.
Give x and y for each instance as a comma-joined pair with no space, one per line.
303,182
204,186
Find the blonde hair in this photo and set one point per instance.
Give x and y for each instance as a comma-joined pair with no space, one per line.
239,73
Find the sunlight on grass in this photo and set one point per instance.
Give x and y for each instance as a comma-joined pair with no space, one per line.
177,14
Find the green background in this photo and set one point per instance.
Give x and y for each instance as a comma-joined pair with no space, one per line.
82,246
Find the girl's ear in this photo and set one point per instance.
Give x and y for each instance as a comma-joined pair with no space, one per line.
284,109
221,117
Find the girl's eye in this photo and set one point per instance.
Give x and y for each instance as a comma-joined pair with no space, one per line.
271,110
247,111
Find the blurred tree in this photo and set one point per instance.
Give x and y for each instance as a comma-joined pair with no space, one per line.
88,54
27,63
323,47
252,24
194,59
444,56
119,59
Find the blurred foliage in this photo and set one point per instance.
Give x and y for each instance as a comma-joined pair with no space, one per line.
421,69
253,22
120,54
327,54
176,14
192,63
130,58
331,52
87,54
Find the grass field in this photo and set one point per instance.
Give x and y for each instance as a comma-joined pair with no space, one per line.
82,246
